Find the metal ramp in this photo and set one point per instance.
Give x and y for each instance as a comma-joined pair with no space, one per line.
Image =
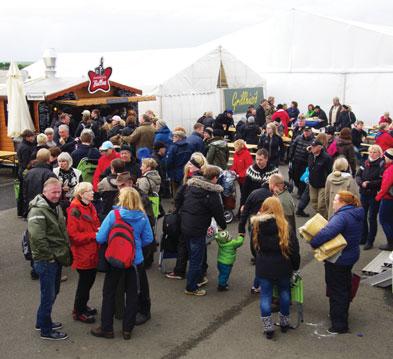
379,271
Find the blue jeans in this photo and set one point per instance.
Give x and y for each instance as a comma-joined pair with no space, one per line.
284,288
385,217
370,225
49,274
224,270
196,251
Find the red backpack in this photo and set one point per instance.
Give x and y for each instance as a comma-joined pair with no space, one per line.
121,244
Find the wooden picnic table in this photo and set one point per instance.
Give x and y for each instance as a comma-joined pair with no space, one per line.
8,156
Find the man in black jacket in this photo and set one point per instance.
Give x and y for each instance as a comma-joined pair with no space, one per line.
202,202
320,166
298,155
260,115
24,152
321,116
257,175
85,149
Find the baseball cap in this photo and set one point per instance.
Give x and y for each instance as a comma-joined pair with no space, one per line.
106,146
307,128
316,143
116,118
86,113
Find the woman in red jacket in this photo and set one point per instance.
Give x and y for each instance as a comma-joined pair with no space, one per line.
386,206
241,160
82,226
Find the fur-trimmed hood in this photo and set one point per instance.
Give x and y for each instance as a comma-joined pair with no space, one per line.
200,182
262,217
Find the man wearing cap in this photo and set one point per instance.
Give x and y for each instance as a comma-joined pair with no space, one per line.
116,126
321,114
320,166
107,155
143,136
298,155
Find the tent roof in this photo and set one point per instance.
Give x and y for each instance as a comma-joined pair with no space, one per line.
299,41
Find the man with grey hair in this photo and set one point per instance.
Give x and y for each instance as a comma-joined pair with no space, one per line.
334,111
65,141
50,250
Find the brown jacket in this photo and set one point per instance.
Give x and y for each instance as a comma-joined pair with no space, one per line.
143,136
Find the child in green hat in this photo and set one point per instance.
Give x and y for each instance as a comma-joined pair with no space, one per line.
226,256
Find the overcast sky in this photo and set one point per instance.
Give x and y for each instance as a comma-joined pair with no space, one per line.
28,27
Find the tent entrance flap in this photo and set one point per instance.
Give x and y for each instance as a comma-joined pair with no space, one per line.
105,100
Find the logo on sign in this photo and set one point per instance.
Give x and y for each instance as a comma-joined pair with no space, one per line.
99,78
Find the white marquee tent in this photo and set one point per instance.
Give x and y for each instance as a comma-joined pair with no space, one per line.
312,58
183,80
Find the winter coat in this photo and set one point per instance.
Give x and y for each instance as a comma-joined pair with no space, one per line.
338,181
138,220
289,208
339,108
332,148
344,120
218,153
179,153
384,139
24,153
255,178
143,136
206,121
82,226
273,145
103,163
149,182
372,172
252,206
68,146
345,148
48,233
223,122
348,221
387,183
132,167
260,118
36,149
282,115
322,116
200,203
270,263
108,191
319,168
34,181
164,135
196,143
84,151
357,137
293,113
298,150
115,130
241,161
297,131
250,133
226,253
128,130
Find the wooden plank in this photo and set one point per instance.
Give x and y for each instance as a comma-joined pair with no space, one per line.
105,100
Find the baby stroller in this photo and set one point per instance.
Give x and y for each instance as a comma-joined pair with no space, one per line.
227,181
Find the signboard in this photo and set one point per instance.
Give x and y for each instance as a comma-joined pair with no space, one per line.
99,78
35,96
239,99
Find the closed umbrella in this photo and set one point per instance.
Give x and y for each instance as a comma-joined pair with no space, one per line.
19,118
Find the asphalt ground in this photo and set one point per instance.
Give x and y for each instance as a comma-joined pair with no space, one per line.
219,325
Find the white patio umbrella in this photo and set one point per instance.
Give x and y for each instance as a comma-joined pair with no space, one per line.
19,118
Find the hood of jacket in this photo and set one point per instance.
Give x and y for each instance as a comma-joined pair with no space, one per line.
130,216
39,202
218,142
339,178
201,183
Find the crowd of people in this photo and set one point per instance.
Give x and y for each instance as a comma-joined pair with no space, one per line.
86,187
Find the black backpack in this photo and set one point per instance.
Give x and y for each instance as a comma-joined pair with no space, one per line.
170,232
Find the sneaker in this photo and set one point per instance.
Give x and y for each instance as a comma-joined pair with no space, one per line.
55,326
254,290
222,288
333,331
54,335
126,335
173,275
301,213
142,318
203,282
98,332
91,311
197,293
84,318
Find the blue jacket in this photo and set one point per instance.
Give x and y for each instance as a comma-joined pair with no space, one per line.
143,234
348,221
178,155
164,134
196,143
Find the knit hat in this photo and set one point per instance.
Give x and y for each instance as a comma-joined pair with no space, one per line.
222,236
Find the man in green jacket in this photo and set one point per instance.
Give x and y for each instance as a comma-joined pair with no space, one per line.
50,249
226,256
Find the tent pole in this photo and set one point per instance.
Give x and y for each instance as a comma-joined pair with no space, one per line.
344,87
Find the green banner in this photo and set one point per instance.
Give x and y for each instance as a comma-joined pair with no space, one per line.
239,99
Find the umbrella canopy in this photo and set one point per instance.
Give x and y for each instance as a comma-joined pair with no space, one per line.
19,118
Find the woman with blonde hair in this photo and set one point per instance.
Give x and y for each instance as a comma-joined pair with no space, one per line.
339,180
131,211
277,257
194,166
347,221
272,143
369,179
82,226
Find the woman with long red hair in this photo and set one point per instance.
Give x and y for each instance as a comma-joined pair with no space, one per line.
277,257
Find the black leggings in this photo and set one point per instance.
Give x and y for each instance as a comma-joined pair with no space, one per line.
85,282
